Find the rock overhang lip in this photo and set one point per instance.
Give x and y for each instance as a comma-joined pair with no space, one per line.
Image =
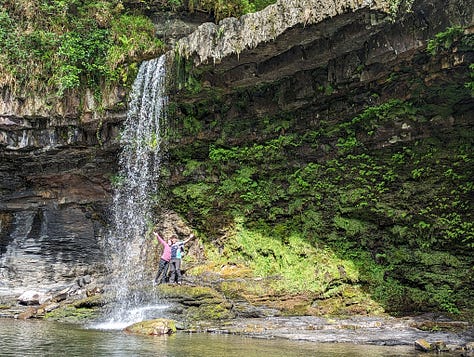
252,48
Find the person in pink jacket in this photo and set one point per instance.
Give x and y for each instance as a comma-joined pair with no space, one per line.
164,261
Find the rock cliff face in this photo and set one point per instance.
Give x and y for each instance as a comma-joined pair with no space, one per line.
284,38
294,37
300,134
52,208
56,163
57,159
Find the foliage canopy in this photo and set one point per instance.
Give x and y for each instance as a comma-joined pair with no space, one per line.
68,44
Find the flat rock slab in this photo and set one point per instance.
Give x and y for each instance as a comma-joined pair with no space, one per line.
363,330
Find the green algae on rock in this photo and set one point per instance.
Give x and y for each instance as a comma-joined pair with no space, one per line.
154,327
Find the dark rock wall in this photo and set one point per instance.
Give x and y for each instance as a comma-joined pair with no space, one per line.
53,210
48,247
55,187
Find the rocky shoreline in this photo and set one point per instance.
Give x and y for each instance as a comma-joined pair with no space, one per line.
388,331
81,304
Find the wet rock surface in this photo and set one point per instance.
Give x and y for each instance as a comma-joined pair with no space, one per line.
71,302
204,309
55,189
358,329
48,246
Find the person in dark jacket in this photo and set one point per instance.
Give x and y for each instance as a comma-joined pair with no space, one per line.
177,251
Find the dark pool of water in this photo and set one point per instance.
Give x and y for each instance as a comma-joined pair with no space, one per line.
43,338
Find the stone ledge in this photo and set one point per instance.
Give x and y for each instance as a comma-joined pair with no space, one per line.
233,36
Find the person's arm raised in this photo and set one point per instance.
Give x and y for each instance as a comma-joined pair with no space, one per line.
191,236
161,240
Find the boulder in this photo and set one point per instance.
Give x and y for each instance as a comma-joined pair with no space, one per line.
197,302
30,298
440,346
153,327
94,290
423,345
84,280
61,296
51,307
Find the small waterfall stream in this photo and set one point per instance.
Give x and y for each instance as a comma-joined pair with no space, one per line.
139,165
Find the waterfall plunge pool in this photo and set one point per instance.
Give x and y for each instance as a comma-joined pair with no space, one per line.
44,338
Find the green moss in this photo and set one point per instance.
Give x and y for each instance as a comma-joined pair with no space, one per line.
153,327
351,227
243,288
90,302
298,266
201,293
72,314
444,40
202,303
209,312
232,8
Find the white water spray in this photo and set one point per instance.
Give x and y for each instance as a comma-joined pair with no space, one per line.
139,165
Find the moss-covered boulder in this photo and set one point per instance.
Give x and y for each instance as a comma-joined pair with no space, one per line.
154,327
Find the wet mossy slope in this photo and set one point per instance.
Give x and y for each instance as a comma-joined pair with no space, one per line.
355,190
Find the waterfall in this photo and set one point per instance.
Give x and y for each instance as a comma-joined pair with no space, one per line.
139,166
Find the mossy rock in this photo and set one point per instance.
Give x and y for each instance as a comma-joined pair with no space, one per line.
246,288
454,326
191,295
210,312
154,327
71,314
201,302
90,302
423,345
223,271
340,306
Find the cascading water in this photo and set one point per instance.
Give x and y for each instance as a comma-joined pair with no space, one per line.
139,165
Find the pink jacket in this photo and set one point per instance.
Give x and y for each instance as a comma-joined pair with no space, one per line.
166,249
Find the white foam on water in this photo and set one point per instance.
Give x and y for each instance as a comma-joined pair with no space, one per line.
134,315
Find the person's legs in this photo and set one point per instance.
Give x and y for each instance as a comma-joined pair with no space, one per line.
162,268
173,270
165,272
178,271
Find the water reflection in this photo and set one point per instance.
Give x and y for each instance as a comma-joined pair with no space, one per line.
43,338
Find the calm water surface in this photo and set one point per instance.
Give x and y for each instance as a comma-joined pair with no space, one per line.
43,338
